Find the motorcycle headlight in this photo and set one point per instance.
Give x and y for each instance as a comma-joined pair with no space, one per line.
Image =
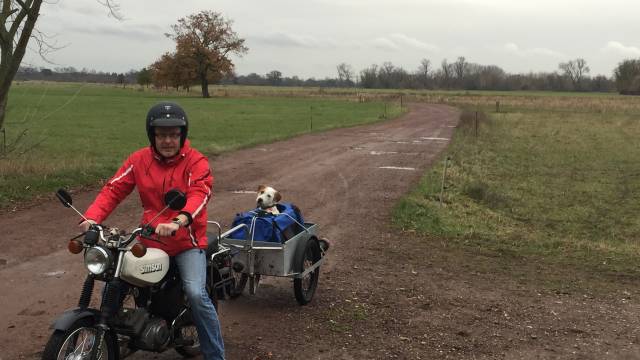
97,260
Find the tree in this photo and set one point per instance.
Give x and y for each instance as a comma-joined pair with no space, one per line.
627,76
385,75
207,39
175,70
121,79
369,77
17,21
274,77
575,70
17,26
460,68
446,72
144,77
423,72
345,74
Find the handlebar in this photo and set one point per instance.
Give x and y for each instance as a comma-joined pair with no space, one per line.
96,232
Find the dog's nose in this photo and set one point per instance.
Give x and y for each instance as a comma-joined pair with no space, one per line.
260,201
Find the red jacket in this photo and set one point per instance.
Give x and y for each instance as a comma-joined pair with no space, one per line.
188,172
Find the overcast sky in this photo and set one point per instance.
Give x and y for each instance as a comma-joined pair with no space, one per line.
308,38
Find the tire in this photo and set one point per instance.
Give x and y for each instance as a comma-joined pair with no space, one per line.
304,288
209,286
188,330
74,340
238,284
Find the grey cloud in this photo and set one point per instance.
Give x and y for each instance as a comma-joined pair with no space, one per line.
142,32
398,41
621,49
516,50
291,40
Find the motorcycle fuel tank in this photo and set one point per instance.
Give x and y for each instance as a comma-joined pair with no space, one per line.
146,270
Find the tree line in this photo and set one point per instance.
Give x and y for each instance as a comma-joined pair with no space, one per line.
458,75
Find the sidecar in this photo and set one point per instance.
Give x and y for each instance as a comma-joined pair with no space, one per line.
296,254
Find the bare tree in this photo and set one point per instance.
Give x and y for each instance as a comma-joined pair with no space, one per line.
460,68
17,26
424,71
17,20
369,77
575,70
345,74
446,72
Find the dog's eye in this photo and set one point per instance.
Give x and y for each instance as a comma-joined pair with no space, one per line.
268,195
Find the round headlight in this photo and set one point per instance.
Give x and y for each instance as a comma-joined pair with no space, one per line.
97,260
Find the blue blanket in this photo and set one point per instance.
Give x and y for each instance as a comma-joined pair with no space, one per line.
269,227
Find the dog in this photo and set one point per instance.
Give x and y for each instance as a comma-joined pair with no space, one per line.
267,199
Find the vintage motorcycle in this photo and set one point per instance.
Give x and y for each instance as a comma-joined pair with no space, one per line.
143,306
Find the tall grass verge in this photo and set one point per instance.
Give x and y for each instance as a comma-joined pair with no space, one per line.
558,185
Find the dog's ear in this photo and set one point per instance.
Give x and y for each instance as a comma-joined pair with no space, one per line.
277,196
261,187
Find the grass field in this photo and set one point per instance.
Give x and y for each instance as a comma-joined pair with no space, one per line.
549,176
539,183
77,134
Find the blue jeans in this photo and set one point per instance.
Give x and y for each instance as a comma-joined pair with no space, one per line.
192,264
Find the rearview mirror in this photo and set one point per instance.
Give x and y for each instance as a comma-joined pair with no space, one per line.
175,199
64,197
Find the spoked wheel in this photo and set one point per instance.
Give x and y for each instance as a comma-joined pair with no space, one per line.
238,283
305,287
188,336
78,341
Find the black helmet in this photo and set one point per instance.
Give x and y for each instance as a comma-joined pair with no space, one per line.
167,114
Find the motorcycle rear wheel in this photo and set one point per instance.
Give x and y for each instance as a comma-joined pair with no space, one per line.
188,332
78,341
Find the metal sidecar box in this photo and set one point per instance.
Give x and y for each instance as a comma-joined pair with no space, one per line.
298,256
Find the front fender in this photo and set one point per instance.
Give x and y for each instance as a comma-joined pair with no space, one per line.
69,317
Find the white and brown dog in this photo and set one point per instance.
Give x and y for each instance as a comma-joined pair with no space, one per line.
267,199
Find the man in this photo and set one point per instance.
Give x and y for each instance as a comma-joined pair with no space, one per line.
170,163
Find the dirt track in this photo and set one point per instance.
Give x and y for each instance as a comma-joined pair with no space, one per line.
381,294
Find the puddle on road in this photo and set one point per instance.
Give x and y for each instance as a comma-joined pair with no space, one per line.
397,168
383,152
392,153
435,138
54,273
244,192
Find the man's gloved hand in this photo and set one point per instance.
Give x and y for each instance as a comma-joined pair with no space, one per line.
86,224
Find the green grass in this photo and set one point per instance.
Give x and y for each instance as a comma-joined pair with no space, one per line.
543,184
78,134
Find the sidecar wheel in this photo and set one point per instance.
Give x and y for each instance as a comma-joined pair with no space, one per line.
306,256
78,341
239,283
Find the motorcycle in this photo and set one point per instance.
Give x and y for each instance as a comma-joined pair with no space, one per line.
143,306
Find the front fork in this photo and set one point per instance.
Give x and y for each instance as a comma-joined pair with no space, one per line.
108,309
111,300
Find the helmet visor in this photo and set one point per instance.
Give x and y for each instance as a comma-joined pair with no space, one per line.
167,122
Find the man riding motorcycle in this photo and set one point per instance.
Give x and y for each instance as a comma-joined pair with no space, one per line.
167,163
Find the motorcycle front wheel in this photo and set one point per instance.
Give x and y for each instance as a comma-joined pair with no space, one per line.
78,341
